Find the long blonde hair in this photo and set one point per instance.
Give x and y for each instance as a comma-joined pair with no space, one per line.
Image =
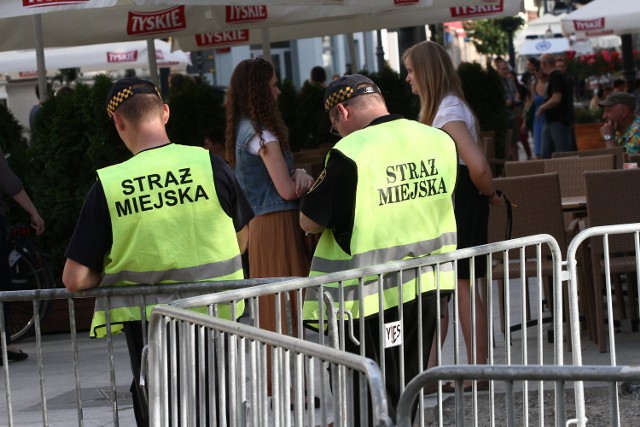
435,77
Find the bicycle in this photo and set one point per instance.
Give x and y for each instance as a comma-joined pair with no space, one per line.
29,270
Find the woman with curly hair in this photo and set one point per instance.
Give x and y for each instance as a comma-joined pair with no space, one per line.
257,148
433,78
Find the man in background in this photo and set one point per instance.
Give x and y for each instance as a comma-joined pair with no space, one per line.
622,124
513,102
557,110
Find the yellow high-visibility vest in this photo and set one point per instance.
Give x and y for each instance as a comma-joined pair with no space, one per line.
406,174
168,227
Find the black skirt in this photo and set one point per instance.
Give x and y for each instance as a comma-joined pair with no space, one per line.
472,216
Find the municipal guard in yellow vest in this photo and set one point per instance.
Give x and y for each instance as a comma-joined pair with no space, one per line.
385,195
170,214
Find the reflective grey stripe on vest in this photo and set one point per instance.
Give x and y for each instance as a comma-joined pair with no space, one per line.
380,256
370,287
187,274
120,301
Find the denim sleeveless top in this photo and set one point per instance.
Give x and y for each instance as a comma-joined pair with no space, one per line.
253,176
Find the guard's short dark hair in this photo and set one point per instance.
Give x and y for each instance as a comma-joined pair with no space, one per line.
318,74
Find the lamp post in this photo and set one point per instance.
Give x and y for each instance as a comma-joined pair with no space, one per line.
509,25
380,51
628,70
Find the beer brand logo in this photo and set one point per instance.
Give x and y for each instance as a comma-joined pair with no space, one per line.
598,33
403,2
25,74
156,22
131,56
480,10
235,14
45,3
590,25
222,37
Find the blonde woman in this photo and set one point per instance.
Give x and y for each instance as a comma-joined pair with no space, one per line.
433,78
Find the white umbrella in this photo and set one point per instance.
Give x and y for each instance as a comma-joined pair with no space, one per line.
117,20
97,14
98,57
601,17
348,21
122,20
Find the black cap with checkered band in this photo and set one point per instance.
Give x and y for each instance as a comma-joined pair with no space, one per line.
341,90
125,88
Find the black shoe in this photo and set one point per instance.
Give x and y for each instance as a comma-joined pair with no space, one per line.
15,356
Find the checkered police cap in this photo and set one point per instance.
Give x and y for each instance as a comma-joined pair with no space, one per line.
341,90
124,89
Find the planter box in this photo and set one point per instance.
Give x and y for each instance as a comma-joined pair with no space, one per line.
588,136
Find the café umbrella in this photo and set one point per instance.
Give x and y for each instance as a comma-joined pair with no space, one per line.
98,57
394,17
117,20
602,17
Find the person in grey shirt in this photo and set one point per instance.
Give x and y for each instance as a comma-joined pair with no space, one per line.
12,186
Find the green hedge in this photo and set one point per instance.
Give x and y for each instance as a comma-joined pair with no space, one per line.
485,94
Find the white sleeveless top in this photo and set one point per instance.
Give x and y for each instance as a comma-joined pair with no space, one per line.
453,109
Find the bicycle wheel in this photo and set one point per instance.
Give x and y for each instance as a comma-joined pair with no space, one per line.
28,271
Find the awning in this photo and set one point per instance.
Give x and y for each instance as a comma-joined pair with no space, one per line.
533,47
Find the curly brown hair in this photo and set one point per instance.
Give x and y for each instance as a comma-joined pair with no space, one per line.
249,95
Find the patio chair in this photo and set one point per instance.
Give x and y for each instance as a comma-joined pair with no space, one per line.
571,171
520,168
612,198
537,210
616,151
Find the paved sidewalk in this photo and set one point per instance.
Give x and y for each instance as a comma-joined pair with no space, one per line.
97,402
58,369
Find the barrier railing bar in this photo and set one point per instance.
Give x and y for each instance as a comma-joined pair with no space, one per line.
347,360
510,373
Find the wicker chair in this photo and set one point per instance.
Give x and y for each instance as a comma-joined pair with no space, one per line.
612,198
518,168
538,211
616,151
571,171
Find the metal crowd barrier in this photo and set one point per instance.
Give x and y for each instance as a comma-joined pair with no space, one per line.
85,382
209,371
513,346
618,247
560,375
526,347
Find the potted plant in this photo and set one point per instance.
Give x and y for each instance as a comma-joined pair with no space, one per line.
587,129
